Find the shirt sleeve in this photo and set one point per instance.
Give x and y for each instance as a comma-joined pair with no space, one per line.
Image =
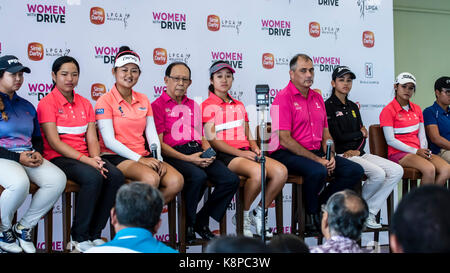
208,112
386,118
46,112
429,117
158,117
281,115
103,109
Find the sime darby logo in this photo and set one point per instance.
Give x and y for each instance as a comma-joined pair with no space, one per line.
276,27
368,39
213,22
97,90
175,21
268,60
314,29
47,13
160,56
97,15
35,51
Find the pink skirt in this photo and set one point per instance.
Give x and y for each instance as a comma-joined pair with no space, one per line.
397,156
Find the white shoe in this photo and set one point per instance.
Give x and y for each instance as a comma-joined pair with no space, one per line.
8,242
371,222
24,237
80,246
98,242
256,220
247,225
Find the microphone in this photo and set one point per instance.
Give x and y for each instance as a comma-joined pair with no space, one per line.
153,149
329,144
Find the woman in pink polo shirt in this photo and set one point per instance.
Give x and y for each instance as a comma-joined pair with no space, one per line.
70,142
226,127
123,117
403,127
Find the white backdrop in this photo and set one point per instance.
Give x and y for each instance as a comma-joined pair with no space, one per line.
258,38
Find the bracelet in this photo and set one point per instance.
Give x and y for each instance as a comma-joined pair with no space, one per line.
80,156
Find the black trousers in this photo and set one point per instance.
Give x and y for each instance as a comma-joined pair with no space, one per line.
225,183
346,175
95,198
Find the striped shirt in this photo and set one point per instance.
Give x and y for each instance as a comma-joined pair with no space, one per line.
71,120
337,244
405,123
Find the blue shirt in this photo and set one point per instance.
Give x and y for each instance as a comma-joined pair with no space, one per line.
133,239
436,115
22,124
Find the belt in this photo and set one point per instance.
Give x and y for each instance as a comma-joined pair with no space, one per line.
191,144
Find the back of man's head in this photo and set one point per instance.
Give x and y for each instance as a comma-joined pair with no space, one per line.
138,205
347,214
421,222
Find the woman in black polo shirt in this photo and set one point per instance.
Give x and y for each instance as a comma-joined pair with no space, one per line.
349,134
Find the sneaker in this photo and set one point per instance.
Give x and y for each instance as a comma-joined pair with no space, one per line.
98,242
372,222
75,246
256,217
24,236
8,242
247,225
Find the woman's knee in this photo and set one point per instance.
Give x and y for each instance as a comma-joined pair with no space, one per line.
151,178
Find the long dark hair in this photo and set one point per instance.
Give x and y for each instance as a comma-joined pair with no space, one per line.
59,62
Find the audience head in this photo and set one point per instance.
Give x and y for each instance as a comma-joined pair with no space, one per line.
137,205
236,244
345,214
287,243
421,222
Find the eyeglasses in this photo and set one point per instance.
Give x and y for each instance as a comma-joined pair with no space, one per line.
178,79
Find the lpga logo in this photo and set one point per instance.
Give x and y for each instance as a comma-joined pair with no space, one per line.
175,21
276,27
368,6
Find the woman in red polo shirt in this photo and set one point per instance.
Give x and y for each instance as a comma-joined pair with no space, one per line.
70,142
403,127
124,116
226,127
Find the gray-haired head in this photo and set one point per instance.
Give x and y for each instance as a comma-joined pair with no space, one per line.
347,214
139,205
293,62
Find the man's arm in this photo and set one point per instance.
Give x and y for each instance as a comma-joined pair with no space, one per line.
433,133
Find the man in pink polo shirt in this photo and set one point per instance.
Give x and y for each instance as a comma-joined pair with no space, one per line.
299,136
178,122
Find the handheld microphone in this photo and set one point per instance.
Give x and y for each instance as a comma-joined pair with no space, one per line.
329,144
153,149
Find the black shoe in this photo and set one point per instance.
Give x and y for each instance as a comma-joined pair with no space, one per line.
312,225
190,235
204,232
